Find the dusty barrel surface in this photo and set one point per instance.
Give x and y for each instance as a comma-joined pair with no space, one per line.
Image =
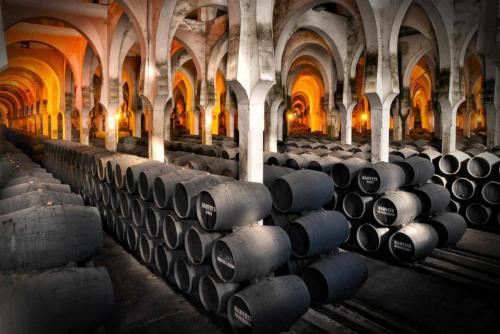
23,188
198,244
272,173
434,198
254,309
380,178
324,164
302,190
164,186
335,278
228,205
452,163
147,246
187,276
344,172
186,193
154,221
417,170
84,301
318,232
147,179
397,208
174,230
357,206
165,259
38,198
483,165
413,242
215,294
450,228
43,237
265,247
133,172
372,238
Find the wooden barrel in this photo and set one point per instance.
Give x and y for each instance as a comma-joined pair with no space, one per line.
147,178
380,178
450,228
164,186
43,237
133,172
215,294
165,259
397,208
38,198
324,164
413,242
154,221
72,300
463,189
232,204
357,206
335,278
23,188
452,163
491,193
266,247
478,213
249,310
371,238
434,198
483,165
174,230
187,276
418,170
147,246
344,172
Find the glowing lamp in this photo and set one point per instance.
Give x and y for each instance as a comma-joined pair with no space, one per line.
290,117
364,117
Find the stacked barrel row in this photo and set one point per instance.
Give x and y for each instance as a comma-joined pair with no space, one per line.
47,241
200,232
473,179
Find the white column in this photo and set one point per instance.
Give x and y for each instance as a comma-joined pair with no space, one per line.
380,123
166,123
448,128
251,128
111,86
280,122
206,136
196,130
156,133
68,110
346,125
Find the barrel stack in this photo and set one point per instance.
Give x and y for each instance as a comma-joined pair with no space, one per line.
48,238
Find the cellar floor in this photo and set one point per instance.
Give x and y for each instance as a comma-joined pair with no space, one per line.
460,295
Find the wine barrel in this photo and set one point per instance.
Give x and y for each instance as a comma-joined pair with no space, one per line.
154,221
265,247
406,152
347,170
272,173
318,232
450,228
302,190
233,204
133,172
147,246
324,164
454,206
186,193
215,294
478,214
413,242
187,276
73,300
147,178
275,159
483,165
341,154
357,206
38,198
296,161
165,259
164,187
42,237
380,178
198,244
295,266
254,309
432,155
277,218
335,278
438,179
121,228
396,208
127,203
452,163
463,189
174,230
230,153
372,238
418,170
434,198
133,235
24,188
491,193
48,179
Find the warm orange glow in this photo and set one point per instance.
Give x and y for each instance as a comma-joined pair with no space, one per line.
290,116
364,117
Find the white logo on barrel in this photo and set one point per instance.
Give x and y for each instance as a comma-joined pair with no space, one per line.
242,316
369,179
382,210
209,209
225,262
403,246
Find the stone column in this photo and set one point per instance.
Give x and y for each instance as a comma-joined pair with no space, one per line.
281,110
138,124
346,125
112,106
467,117
166,123
271,132
251,128
196,130
206,136
156,133
85,116
448,128
68,110
380,123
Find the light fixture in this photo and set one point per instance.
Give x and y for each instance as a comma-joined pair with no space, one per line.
364,117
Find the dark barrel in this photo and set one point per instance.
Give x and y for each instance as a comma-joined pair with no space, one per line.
491,193
187,276
483,165
438,179
186,193
275,159
431,155
396,208
335,278
380,178
478,214
302,190
154,221
73,300
44,237
344,172
454,206
417,170
255,308
265,247
165,259
38,198
215,294
463,188
324,164
147,178
133,172
406,152
452,163
413,242
271,173
198,244
23,188
164,186
228,205
357,206
174,230
450,228
318,232
434,198
372,238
